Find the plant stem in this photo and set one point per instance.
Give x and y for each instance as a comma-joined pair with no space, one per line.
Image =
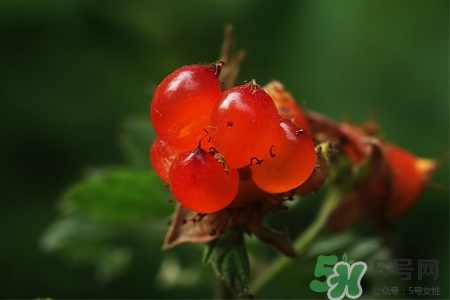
332,198
222,291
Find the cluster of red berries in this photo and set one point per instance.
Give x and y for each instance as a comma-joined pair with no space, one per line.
206,138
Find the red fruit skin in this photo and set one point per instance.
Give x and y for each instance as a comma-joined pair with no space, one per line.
248,192
396,181
182,104
289,163
286,104
200,183
161,158
247,123
409,177
316,180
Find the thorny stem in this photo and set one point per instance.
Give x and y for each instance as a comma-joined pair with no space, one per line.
332,198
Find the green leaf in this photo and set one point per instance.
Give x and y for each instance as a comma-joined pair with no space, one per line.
83,241
120,195
350,262
78,238
344,257
229,260
114,263
136,137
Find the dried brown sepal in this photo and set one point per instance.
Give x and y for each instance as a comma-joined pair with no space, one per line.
191,227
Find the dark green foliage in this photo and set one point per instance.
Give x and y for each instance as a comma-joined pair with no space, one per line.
228,257
120,195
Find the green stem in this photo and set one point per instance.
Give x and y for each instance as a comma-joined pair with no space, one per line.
222,291
332,198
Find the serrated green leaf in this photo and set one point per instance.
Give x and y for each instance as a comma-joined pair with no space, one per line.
229,260
120,195
344,257
136,137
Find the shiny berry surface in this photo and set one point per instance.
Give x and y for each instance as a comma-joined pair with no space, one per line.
246,122
161,157
200,183
289,163
182,104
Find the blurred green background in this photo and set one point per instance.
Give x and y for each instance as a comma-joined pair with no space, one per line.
71,72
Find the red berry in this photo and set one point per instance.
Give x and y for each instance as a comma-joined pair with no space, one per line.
286,104
289,163
247,122
317,179
182,104
161,157
202,184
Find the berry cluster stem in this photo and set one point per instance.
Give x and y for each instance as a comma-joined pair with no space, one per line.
332,198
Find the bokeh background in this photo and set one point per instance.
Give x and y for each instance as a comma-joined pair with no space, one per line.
72,71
